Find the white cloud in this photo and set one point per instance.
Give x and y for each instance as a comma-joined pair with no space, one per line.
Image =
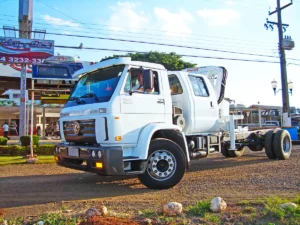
174,23
125,16
219,17
229,2
59,22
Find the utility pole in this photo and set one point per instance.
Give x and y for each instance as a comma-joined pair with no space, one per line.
25,27
286,117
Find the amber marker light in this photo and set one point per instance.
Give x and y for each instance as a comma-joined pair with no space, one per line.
99,165
118,138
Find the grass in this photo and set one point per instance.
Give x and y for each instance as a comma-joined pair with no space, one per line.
199,209
285,216
11,160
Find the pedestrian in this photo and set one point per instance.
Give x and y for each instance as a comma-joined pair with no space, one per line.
5,130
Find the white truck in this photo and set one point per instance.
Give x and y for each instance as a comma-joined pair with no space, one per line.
110,128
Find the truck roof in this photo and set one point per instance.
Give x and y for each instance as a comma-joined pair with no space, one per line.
113,62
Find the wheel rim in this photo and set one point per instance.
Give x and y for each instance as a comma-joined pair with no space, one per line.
286,144
161,165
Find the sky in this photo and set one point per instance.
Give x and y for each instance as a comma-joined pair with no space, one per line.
226,25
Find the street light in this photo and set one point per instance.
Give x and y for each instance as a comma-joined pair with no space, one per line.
290,86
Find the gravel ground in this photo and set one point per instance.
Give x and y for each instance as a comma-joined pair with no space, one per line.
31,189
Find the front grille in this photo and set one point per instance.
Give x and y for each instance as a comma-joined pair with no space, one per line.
86,133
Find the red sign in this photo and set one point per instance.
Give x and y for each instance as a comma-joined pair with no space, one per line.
28,51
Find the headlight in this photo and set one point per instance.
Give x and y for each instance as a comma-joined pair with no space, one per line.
100,110
93,154
99,155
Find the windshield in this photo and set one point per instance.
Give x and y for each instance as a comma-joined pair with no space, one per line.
97,86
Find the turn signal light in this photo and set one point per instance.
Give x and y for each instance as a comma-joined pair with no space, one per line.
56,158
99,165
118,138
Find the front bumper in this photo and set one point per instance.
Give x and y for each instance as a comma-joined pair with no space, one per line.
81,158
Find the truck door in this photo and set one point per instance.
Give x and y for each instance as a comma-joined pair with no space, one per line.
140,108
205,104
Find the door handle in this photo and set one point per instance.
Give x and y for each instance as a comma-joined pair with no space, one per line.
161,101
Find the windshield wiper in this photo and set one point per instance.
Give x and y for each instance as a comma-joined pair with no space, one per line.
90,95
78,100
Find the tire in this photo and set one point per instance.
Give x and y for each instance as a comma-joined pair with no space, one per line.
282,144
224,151
269,136
179,121
232,154
167,172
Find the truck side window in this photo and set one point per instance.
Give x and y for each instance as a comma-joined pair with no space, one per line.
199,86
175,85
133,82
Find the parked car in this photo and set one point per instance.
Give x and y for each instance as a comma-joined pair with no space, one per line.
52,129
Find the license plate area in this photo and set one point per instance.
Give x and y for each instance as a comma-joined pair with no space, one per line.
73,152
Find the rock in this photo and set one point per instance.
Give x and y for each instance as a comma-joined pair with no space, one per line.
288,204
67,211
148,221
172,208
92,212
217,204
40,223
103,210
140,213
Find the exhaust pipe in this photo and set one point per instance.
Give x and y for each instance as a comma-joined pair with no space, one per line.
198,154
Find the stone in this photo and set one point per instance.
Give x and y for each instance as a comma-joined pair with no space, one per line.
172,208
40,223
217,204
103,210
92,212
288,204
140,213
148,221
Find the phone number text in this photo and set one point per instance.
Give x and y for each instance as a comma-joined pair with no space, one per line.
10,59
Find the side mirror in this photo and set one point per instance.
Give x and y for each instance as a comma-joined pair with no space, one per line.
148,80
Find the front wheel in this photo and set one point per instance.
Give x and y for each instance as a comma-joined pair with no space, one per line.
166,165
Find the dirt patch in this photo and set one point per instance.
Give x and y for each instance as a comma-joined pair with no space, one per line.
97,220
44,188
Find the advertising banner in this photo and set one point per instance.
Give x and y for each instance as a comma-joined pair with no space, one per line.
28,51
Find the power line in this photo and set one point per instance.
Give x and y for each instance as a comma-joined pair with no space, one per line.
183,55
161,31
160,44
72,18
229,44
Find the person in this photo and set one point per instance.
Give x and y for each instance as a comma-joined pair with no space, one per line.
5,130
140,87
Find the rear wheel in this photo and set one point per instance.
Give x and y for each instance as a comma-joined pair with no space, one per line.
282,144
165,165
269,144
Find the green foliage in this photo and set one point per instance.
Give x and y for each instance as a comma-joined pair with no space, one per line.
148,212
3,140
16,150
171,61
25,140
272,208
199,209
212,218
58,219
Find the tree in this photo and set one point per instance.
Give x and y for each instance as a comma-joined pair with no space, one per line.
171,61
